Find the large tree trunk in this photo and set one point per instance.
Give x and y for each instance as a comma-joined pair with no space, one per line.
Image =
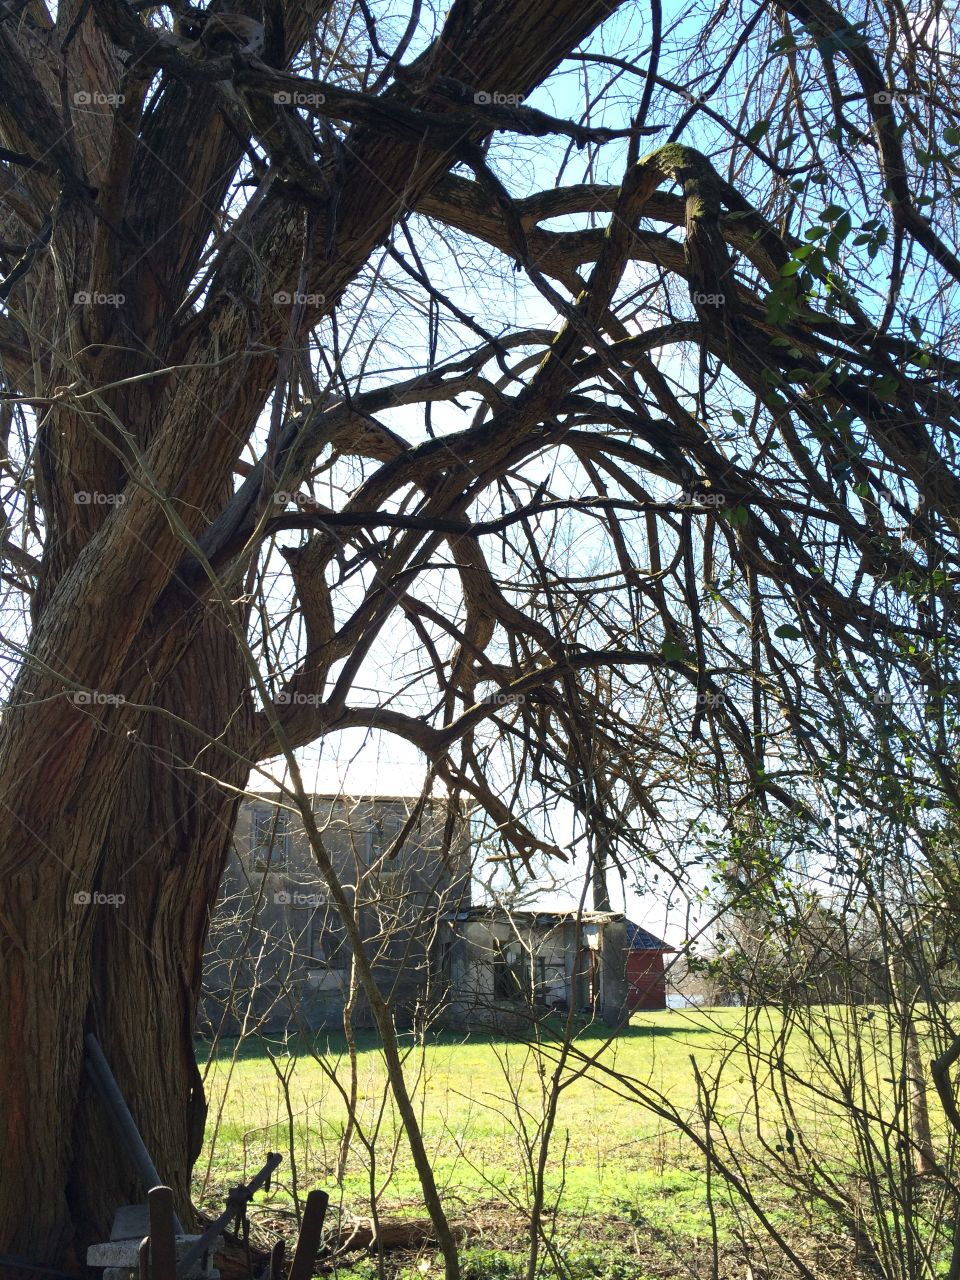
111,799
130,972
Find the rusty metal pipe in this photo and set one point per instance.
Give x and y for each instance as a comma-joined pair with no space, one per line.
98,1069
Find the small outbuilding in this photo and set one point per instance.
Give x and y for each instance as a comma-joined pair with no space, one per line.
500,968
645,970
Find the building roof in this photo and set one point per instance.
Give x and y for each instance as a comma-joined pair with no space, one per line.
277,797
532,917
349,797
640,939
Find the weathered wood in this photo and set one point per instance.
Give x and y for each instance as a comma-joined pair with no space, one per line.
131,1222
308,1242
275,1269
163,1247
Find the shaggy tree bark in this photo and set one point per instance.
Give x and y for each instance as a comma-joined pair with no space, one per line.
134,795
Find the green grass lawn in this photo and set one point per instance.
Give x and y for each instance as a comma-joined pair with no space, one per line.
468,1091
481,1104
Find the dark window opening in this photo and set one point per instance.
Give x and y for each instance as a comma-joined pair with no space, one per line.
328,942
511,975
270,838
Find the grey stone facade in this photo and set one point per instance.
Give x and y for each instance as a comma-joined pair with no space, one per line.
278,957
503,970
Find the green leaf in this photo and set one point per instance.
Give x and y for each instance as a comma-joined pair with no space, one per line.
757,131
831,212
737,516
787,632
841,229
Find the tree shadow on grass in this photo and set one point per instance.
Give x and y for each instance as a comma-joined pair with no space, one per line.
549,1029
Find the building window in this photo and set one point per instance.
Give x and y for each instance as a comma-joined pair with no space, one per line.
511,974
444,962
551,988
380,836
297,923
270,838
328,941
388,884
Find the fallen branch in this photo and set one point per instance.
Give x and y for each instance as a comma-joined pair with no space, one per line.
409,1233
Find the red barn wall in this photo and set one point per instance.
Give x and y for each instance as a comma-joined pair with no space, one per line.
646,980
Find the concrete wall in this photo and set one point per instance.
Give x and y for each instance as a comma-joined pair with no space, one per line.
503,972
613,991
278,955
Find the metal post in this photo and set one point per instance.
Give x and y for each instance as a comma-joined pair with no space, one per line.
308,1242
98,1069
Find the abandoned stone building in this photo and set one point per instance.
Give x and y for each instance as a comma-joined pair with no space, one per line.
499,968
277,954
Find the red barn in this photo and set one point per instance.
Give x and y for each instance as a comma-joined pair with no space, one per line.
646,979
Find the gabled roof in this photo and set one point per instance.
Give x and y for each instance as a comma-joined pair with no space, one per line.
548,919
640,939
637,938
